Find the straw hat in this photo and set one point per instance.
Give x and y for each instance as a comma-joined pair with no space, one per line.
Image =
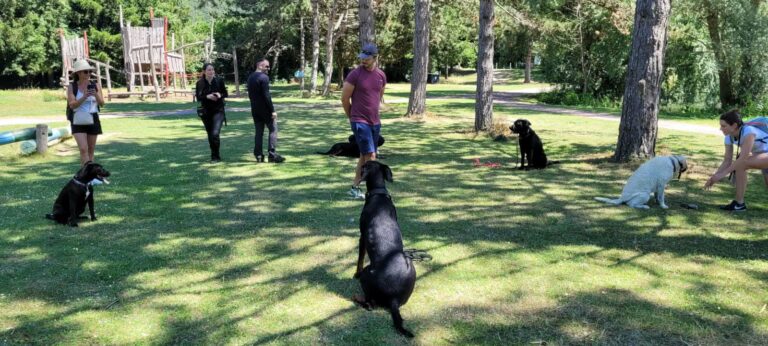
81,65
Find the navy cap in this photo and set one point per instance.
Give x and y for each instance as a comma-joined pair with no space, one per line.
369,50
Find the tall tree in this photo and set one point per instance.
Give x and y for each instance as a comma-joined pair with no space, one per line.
330,42
724,68
302,58
315,45
367,22
417,102
484,98
639,111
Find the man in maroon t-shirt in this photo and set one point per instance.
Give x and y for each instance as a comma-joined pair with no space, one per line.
362,93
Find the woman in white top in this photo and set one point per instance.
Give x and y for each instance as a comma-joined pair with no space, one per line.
752,153
84,99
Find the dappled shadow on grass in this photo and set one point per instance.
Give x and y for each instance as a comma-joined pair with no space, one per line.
218,253
610,316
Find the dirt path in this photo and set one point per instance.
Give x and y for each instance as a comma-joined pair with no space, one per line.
509,99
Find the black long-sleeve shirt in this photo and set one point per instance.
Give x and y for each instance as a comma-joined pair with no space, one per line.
261,100
203,89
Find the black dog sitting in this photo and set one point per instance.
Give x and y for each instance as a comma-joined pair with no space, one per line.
74,196
530,146
389,279
348,149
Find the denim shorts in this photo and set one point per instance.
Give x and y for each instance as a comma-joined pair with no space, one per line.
366,136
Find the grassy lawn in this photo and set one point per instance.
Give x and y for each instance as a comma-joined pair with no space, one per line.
186,252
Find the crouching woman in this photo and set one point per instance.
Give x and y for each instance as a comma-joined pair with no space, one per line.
751,153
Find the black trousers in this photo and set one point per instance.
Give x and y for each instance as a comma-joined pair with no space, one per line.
271,125
213,122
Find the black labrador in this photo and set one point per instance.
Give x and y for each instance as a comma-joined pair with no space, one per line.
348,149
76,194
531,147
389,279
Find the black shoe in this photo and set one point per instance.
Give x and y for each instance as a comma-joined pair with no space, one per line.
734,206
259,158
216,160
276,159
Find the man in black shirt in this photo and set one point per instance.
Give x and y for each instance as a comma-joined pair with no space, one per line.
263,112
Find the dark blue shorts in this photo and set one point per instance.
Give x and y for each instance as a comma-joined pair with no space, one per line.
366,136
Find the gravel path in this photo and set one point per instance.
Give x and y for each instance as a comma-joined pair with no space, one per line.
509,99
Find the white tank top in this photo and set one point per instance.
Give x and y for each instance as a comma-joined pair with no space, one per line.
88,106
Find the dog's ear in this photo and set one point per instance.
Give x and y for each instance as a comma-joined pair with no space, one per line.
387,172
364,173
527,123
351,139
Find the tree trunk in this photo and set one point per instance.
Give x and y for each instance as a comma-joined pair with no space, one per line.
315,45
303,60
528,61
417,102
329,44
276,62
484,98
367,22
724,70
638,128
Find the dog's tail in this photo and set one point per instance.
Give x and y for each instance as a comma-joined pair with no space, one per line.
323,153
609,201
394,309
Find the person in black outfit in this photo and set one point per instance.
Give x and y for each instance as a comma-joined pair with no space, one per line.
211,91
263,112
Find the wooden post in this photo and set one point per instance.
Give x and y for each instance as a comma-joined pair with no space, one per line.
41,137
184,66
109,82
152,66
237,74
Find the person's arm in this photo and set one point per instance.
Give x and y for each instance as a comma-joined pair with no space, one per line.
99,96
264,82
71,100
222,89
199,89
727,158
346,97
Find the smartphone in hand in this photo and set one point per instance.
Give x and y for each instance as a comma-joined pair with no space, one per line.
92,89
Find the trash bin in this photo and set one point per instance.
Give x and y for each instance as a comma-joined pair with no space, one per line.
433,78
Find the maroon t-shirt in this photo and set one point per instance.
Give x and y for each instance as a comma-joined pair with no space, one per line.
367,95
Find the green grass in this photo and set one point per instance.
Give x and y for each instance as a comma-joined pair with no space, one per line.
241,253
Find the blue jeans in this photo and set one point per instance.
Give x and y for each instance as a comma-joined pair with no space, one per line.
366,136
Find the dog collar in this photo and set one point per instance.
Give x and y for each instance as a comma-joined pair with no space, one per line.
679,167
378,191
78,182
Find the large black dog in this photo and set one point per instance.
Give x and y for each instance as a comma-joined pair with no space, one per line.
76,194
530,146
348,149
389,279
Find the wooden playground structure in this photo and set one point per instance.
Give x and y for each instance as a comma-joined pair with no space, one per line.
150,67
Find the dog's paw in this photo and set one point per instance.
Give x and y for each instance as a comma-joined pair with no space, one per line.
520,168
93,218
50,217
73,224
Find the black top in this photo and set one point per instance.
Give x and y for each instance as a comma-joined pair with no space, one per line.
203,89
261,99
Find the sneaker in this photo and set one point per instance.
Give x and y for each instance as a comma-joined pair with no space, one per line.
259,158
276,159
734,206
356,193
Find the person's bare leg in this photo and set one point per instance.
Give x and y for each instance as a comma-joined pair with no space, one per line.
82,145
92,146
360,162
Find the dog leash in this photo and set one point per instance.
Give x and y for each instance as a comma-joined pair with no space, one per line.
417,255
